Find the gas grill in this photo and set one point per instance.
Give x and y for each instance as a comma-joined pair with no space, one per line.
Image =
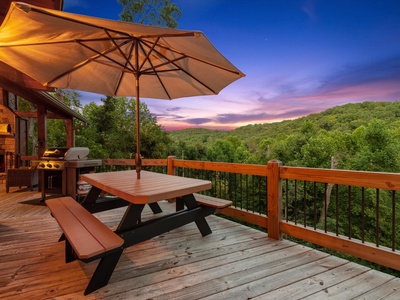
60,169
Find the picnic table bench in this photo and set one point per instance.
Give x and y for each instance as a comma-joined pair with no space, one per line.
87,239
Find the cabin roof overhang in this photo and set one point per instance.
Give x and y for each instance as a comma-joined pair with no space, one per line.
22,85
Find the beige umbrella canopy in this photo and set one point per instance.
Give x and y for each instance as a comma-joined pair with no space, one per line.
113,58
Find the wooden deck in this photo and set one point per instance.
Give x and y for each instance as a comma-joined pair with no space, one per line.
234,262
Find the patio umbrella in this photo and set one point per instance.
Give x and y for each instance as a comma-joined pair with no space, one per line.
114,58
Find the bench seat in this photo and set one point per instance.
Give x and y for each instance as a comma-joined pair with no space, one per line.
216,203
88,237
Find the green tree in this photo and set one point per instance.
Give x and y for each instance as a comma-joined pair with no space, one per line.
230,150
376,148
112,133
56,128
319,150
161,13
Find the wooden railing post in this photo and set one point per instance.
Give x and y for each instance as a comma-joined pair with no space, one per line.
170,165
274,197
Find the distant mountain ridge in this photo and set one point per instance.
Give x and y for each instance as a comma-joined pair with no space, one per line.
344,118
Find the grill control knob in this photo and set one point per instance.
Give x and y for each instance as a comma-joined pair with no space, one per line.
57,166
42,165
49,166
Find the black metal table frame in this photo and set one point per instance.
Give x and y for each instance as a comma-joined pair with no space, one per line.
133,231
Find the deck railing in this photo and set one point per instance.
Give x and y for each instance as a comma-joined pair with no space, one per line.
320,206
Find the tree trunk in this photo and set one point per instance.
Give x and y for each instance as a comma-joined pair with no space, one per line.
325,205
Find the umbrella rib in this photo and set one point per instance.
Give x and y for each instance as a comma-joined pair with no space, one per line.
193,57
73,41
119,49
116,64
148,53
104,54
152,66
127,61
169,61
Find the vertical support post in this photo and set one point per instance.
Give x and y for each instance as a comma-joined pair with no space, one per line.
69,132
170,165
274,197
3,97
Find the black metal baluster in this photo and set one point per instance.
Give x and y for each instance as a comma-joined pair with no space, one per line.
393,220
362,214
349,211
315,204
377,218
295,202
326,208
337,210
305,203
287,200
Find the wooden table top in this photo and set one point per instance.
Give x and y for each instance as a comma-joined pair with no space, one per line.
151,187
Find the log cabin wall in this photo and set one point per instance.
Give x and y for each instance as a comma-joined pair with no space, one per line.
7,139
10,141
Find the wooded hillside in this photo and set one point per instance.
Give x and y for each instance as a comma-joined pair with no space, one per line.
354,133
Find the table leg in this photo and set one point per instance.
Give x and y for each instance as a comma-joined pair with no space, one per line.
180,204
131,217
191,203
91,197
155,208
103,272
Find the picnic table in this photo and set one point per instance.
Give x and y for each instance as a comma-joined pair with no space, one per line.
88,239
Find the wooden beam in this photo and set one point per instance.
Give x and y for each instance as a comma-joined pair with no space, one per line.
33,114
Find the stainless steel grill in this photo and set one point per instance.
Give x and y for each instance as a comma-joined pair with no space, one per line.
60,169
57,158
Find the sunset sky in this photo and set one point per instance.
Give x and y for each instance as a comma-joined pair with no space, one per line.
299,57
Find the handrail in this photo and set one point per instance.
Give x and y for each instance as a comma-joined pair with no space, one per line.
380,180
282,185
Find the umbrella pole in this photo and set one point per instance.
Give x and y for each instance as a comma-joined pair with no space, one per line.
138,159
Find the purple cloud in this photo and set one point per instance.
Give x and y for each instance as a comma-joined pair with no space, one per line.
384,70
198,121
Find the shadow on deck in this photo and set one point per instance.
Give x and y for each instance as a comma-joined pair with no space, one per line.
234,262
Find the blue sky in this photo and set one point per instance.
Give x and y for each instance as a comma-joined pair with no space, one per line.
299,57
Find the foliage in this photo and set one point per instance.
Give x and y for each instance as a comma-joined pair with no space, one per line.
112,133
161,13
364,136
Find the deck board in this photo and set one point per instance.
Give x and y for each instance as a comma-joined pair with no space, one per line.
234,262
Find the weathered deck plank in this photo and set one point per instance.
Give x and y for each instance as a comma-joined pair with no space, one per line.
234,262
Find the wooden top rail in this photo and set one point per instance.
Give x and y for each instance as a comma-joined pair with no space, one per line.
388,181
131,162
249,169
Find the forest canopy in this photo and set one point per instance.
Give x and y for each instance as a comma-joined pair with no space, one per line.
362,136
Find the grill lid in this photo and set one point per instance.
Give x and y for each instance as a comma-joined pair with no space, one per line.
54,153
77,153
74,153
